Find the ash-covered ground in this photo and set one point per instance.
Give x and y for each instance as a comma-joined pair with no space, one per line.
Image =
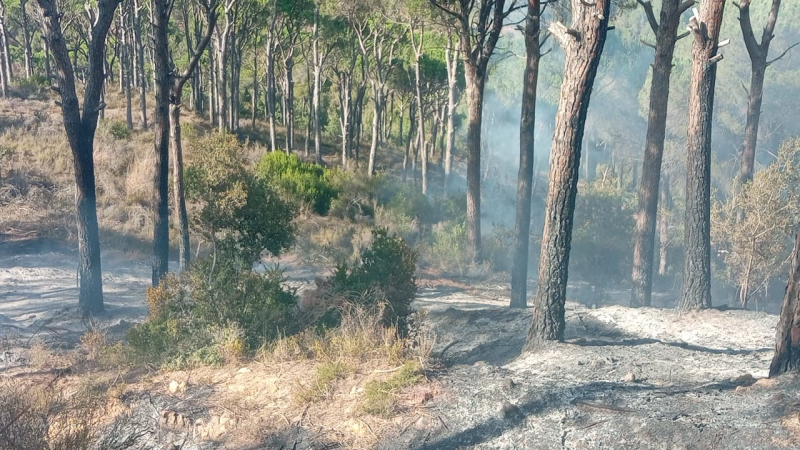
647,378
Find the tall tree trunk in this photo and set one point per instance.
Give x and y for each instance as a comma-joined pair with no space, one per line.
5,56
787,336
376,118
423,148
178,186
527,131
255,91
270,50
475,86
317,87
289,112
163,81
696,288
451,59
141,78
663,227
80,132
124,67
583,45
758,60
644,236
26,39
175,95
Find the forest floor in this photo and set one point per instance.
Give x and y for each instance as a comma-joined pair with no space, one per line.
624,378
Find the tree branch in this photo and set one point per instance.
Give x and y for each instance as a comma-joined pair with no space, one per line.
685,6
784,53
753,49
213,14
651,17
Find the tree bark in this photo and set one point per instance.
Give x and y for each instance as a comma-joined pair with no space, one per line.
26,39
758,52
663,227
696,288
519,267
644,236
163,82
583,45
787,336
80,132
317,87
475,86
141,79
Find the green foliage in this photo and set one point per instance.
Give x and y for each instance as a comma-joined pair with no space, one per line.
601,235
306,183
409,201
449,251
237,211
327,374
119,130
385,274
752,230
213,312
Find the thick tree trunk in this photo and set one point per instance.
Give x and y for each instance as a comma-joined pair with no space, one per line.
787,336
696,288
475,85
644,237
163,83
583,45
80,132
527,130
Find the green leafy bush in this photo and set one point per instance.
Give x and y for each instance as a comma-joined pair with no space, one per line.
384,275
235,210
409,201
119,130
306,183
601,236
212,312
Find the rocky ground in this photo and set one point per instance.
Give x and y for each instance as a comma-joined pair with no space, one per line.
624,379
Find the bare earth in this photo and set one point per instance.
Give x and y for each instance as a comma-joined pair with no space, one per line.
625,378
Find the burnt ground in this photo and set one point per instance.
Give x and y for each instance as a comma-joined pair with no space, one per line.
646,378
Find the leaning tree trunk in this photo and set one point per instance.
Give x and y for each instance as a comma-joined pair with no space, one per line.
163,82
178,186
644,237
696,288
787,337
583,45
527,130
758,52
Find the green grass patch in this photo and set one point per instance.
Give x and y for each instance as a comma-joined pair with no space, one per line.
380,395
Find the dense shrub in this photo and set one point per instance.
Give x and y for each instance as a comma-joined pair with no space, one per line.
306,183
119,130
449,251
236,211
409,201
384,275
601,236
214,311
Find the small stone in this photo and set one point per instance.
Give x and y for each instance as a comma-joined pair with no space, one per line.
244,370
746,379
629,377
509,384
766,382
510,410
173,386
